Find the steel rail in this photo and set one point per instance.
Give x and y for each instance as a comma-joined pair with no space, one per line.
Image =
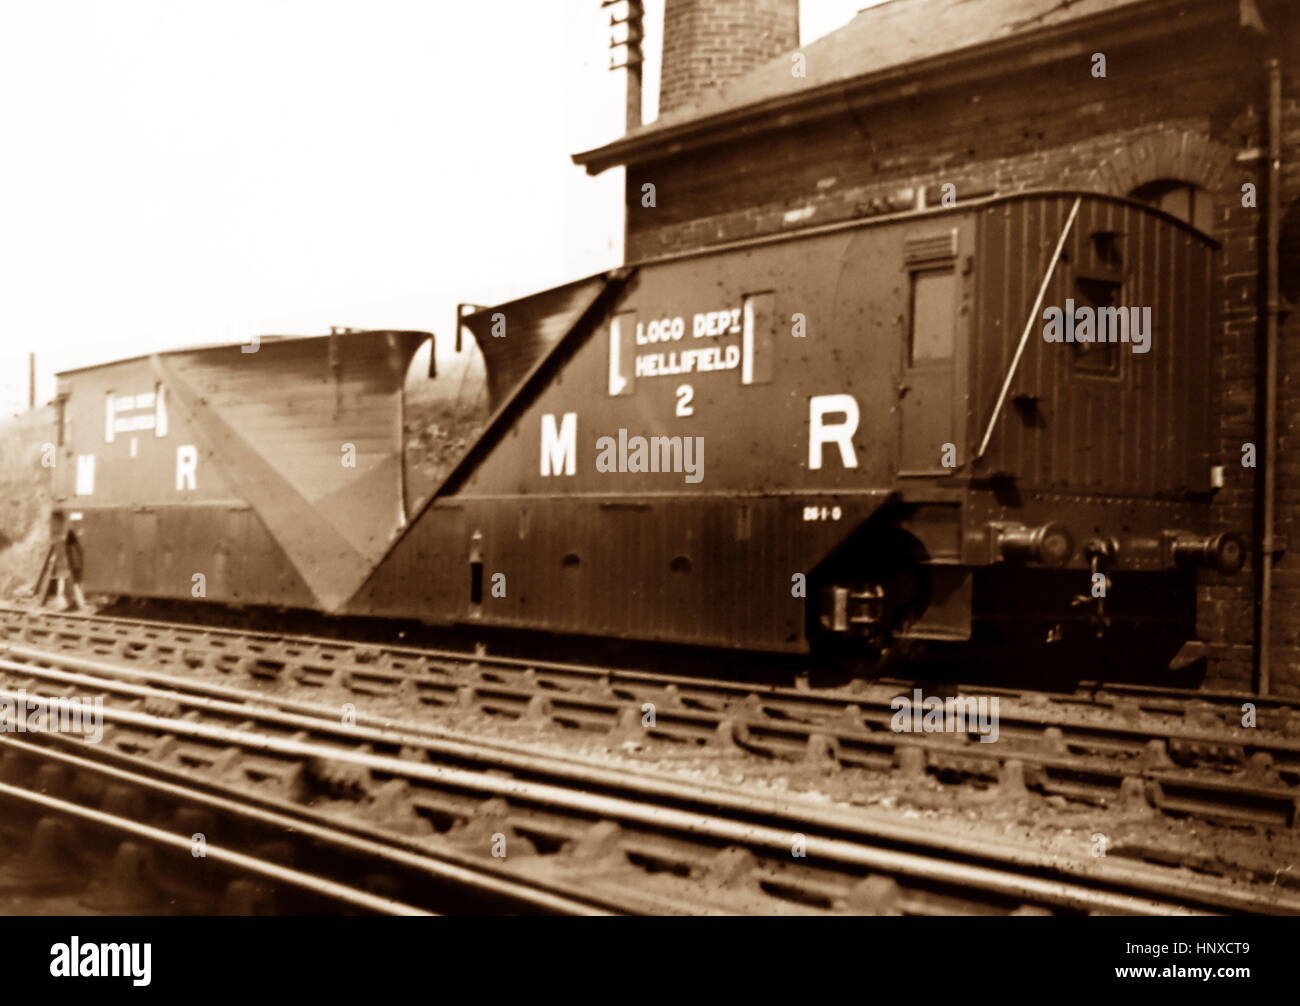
237,860
301,823
277,643
640,812
1247,799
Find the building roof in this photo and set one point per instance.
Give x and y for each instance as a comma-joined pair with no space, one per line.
898,33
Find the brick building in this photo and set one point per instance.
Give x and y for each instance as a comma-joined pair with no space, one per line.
1167,101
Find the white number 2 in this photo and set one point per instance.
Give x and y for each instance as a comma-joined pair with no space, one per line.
684,395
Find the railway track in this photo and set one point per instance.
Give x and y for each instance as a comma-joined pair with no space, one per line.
616,840
1156,747
128,834
273,655
76,826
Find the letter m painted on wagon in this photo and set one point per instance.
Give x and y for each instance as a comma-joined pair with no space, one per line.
559,446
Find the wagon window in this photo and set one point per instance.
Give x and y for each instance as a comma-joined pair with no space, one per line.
1097,358
933,314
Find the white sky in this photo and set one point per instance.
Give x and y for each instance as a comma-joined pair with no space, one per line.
177,172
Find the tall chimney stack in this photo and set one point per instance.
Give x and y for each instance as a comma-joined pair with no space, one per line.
709,42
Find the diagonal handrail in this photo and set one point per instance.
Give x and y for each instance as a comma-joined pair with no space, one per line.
1029,324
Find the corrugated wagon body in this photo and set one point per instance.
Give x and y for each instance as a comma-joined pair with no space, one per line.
271,476
849,432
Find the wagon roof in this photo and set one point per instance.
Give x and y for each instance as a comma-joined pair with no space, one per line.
958,209
204,347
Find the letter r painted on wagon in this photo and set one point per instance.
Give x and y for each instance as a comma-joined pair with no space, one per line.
187,462
821,432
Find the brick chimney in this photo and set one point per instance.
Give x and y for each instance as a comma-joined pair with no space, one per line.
710,42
